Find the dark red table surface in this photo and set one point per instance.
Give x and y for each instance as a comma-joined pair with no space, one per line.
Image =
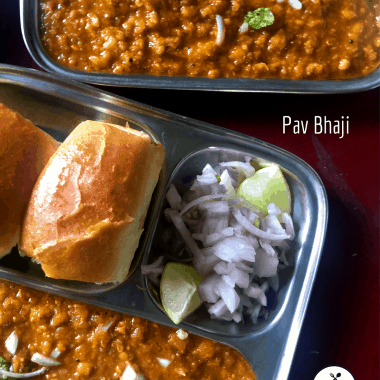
341,326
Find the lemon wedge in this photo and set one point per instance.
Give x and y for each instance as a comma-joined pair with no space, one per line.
178,290
268,185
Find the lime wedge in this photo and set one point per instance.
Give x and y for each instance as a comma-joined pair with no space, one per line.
268,185
179,295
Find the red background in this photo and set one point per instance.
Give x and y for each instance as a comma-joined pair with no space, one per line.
341,326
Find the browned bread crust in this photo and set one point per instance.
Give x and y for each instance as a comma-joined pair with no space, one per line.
24,151
88,207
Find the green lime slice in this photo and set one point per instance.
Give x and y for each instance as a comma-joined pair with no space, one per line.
268,185
179,295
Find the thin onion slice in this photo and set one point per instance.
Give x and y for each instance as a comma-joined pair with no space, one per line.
184,232
289,228
155,267
43,360
200,200
221,32
174,198
254,230
22,375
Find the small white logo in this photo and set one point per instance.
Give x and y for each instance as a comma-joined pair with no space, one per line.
334,373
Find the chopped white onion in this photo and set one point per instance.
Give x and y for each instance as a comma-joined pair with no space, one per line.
242,167
221,32
200,200
223,267
274,282
243,27
265,265
207,179
164,362
256,292
55,353
234,249
295,4
289,228
267,247
254,312
272,225
205,264
254,230
218,308
11,343
107,326
182,334
186,236
174,198
207,289
43,360
236,254
208,169
152,271
130,374
228,293
240,277
244,267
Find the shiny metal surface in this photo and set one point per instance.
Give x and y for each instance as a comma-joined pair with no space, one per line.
58,105
31,31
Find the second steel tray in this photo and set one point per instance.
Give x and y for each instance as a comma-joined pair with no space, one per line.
31,30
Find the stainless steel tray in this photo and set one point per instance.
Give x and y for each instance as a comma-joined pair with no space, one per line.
31,31
59,105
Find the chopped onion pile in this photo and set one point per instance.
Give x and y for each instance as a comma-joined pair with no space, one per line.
237,252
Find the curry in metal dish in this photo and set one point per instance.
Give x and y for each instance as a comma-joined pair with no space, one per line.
80,341
308,39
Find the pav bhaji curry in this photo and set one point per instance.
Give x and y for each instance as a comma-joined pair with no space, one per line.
308,39
93,343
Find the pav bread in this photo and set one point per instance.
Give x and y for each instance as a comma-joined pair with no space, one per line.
88,207
24,151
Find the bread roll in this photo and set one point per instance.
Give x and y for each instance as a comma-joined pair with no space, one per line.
24,151
87,210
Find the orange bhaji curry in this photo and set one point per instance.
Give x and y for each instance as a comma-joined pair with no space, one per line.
93,343
309,39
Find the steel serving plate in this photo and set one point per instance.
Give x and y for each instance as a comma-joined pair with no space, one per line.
58,105
31,19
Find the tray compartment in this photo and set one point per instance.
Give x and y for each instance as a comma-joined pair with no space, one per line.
182,177
58,117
